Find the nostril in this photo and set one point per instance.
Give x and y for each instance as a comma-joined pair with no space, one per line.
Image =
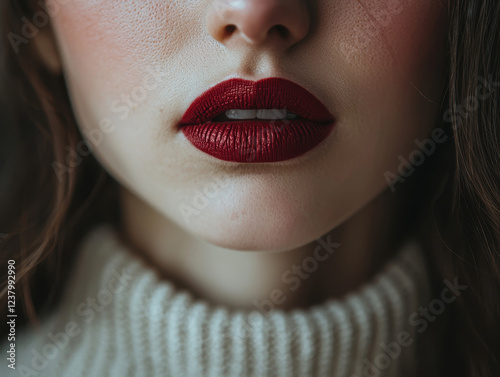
282,31
282,23
229,30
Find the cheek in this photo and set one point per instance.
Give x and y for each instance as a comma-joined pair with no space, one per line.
389,58
404,38
112,42
383,62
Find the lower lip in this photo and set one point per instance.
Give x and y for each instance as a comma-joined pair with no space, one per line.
257,141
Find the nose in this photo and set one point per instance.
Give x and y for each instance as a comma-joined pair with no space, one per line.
258,22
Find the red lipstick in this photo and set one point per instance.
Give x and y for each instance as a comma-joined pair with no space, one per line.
256,121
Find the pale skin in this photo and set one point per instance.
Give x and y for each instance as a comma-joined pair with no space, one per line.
378,66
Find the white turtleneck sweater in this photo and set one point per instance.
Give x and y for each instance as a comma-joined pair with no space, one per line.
117,318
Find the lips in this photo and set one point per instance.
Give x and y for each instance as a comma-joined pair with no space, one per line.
298,121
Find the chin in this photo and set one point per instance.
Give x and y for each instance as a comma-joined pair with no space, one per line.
255,225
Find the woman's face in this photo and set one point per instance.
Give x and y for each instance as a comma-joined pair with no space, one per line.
134,67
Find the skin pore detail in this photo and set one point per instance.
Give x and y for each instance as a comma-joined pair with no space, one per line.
376,65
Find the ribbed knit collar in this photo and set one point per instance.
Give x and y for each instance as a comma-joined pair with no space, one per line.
135,324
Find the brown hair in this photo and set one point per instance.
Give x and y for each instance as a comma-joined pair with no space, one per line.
459,223
463,228
49,198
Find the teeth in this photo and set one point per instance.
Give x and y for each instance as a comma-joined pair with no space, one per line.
241,114
271,114
267,114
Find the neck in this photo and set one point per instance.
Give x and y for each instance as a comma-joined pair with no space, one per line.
329,267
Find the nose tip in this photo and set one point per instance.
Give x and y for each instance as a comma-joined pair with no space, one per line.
257,22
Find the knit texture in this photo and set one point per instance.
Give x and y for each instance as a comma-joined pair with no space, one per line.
118,318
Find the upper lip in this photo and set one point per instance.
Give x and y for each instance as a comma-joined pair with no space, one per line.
270,93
